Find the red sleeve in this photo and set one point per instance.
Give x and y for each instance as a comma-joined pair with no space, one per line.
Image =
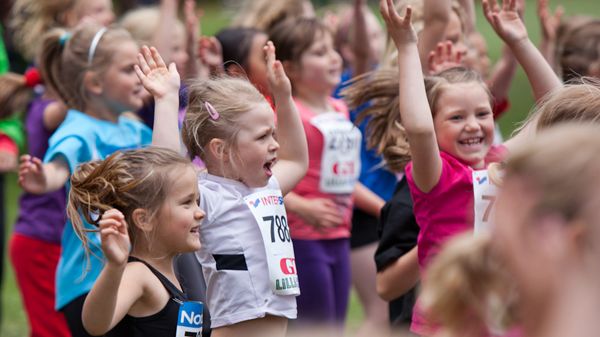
8,145
500,107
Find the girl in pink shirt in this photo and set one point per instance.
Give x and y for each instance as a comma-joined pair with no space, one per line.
447,128
320,206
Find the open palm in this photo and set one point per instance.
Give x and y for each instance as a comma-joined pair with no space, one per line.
154,74
505,20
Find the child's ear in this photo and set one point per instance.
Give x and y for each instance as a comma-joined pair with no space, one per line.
218,149
141,219
92,82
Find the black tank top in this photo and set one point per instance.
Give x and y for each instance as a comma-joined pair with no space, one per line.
161,324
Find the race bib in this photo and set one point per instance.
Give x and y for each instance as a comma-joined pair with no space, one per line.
485,193
340,162
268,210
189,321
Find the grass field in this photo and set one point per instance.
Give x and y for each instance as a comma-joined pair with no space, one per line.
14,322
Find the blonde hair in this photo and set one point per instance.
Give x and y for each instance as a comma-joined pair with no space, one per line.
562,164
142,24
390,55
15,95
384,128
264,14
467,287
64,59
30,19
126,181
231,97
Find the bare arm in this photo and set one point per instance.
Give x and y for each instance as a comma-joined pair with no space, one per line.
113,293
399,277
509,26
293,152
54,114
38,178
164,32
436,16
503,74
360,39
163,83
192,30
367,201
415,114
469,8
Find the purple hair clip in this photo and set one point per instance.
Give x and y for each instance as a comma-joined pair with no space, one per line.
212,112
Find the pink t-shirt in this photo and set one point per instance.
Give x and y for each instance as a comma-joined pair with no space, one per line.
443,212
308,187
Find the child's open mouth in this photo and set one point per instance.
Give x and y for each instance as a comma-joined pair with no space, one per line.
195,230
471,141
268,167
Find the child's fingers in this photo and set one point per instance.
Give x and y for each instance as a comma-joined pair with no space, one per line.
449,50
143,64
157,58
139,72
270,55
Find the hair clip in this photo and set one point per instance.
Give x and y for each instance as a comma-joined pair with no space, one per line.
212,112
62,40
32,77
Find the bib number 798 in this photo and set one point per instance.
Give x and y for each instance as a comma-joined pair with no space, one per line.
283,231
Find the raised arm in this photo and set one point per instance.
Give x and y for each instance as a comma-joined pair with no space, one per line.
436,15
549,23
415,114
503,74
163,83
113,293
38,178
293,152
509,26
362,54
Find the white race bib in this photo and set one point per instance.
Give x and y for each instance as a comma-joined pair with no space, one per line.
189,321
268,210
340,162
485,193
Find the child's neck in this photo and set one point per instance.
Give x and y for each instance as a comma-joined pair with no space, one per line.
316,101
163,262
101,112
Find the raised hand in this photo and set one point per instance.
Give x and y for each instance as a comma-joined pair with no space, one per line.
159,80
445,56
506,21
114,237
210,52
31,175
548,20
399,28
279,83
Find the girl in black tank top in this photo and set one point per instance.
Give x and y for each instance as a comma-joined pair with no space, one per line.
145,203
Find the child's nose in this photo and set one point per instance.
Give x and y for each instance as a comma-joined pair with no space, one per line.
274,146
199,214
472,124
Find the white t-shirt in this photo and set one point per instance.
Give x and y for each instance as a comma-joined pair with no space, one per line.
233,257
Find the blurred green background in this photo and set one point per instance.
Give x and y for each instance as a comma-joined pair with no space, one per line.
217,15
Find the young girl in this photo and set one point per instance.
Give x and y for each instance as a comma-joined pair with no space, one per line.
30,19
93,73
546,228
246,255
452,135
145,203
243,56
321,204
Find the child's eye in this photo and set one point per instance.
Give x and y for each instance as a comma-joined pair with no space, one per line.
456,118
483,113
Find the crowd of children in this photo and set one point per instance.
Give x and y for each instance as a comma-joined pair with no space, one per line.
242,184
